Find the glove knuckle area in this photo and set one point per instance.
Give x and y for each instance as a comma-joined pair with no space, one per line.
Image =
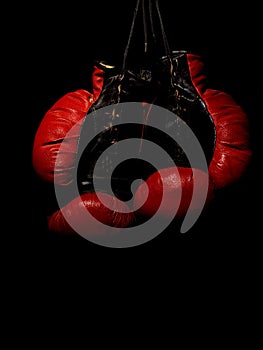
172,188
91,215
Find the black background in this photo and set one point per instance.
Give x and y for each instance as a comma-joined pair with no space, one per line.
210,276
58,46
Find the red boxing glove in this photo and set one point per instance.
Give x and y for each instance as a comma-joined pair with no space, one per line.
62,124
231,154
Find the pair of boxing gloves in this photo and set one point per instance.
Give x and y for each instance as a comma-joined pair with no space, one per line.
230,157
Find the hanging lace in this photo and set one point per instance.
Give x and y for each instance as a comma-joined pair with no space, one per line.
153,4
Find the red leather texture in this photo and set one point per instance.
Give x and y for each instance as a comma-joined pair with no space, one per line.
230,158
